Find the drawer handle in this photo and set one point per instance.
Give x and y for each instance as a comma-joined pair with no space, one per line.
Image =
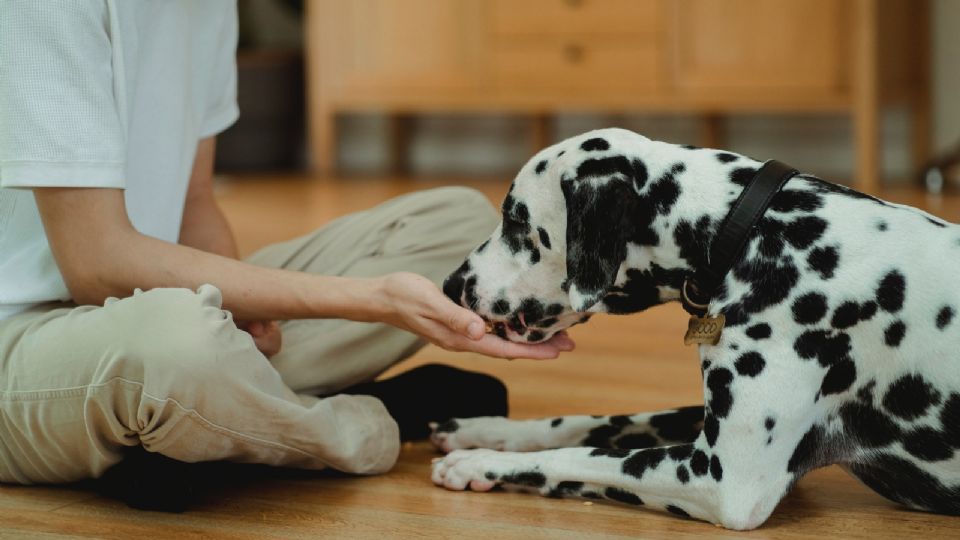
573,53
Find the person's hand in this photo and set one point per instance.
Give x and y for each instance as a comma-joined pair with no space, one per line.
266,335
415,304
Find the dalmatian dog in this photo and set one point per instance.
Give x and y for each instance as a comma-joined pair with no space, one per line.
840,347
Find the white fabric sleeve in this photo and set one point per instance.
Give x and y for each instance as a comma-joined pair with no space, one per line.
60,125
222,109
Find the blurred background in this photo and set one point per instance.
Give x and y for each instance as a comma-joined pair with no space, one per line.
853,90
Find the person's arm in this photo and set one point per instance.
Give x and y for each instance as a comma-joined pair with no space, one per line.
100,255
204,226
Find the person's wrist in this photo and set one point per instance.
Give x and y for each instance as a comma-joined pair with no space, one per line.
372,299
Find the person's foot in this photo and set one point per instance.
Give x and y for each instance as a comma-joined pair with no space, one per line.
150,481
435,393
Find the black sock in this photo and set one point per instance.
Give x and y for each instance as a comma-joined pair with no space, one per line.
434,393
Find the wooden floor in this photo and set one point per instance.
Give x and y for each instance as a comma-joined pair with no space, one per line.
622,364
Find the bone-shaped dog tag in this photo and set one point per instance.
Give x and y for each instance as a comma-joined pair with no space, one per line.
704,330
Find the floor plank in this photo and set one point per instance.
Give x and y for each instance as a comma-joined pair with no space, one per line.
622,364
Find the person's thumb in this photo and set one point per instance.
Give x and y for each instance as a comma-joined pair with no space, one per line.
465,322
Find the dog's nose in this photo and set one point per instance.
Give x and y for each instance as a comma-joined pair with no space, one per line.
453,288
454,284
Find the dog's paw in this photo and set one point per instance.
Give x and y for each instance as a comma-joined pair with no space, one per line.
491,432
482,470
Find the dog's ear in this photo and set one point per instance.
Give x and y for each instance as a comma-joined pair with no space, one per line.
600,218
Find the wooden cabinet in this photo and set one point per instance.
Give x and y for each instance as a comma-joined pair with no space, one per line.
539,57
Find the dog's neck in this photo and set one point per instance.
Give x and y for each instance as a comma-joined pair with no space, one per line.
707,189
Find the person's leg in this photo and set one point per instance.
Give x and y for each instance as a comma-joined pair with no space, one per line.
167,369
428,233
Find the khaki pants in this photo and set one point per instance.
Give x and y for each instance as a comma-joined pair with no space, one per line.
168,369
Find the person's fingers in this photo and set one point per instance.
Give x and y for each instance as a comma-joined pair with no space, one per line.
460,320
492,345
562,341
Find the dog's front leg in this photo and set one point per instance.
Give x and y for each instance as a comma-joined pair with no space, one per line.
642,430
713,484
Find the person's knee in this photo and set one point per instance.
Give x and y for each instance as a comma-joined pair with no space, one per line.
178,333
472,205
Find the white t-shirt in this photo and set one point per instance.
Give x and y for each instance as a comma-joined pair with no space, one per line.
108,94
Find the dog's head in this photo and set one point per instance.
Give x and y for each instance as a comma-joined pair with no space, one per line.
574,214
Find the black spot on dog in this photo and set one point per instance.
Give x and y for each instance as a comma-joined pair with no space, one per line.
759,331
750,364
501,307
846,315
641,460
806,454
910,396
944,316
771,282
735,315
927,444
680,451
595,144
681,425
716,470
623,496
483,246
448,426
533,479
556,422
676,510
809,308
532,310
718,381
891,291
743,175
882,225
839,377
699,463
899,480
804,231
562,152
637,441
791,200
544,238
704,366
535,335
827,347
868,310
598,168
769,423
693,240
542,166
610,452
725,157
534,256
665,191
711,429
894,333
865,393
823,260
553,310
867,425
683,475
950,420
566,488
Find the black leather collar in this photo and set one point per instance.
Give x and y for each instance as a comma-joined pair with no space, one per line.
732,235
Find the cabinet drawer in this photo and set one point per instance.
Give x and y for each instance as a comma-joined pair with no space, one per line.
602,68
566,17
